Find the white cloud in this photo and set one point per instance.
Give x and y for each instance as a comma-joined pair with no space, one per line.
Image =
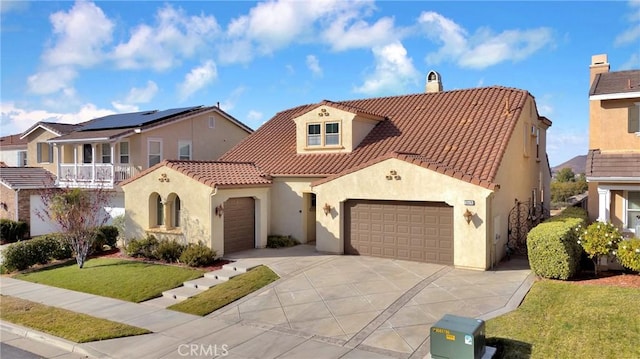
142,95
173,37
314,65
563,144
632,34
230,102
254,116
13,6
124,107
51,80
484,48
394,70
343,36
632,63
198,78
16,119
80,36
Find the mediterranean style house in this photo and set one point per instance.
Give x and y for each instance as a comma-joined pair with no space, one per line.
613,162
105,151
428,177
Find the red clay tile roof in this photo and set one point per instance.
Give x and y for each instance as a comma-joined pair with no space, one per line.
26,177
460,133
615,82
620,165
215,174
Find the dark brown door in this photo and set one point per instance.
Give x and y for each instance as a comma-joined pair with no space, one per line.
417,231
239,224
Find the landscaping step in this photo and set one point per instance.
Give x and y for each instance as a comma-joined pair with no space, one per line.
203,283
181,293
240,266
222,274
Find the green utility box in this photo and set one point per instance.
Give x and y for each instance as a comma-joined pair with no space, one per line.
454,337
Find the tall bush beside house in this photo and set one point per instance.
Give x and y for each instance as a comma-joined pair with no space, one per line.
12,231
628,253
553,246
598,239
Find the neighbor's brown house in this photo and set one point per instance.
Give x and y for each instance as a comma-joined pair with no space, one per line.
429,177
613,163
17,186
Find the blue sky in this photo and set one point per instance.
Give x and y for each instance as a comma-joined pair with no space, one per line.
69,62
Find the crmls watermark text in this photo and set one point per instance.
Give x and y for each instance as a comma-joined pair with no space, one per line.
206,350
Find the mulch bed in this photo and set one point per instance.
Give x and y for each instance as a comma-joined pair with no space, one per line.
117,253
614,278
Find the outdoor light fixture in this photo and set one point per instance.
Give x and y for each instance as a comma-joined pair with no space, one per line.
467,215
219,210
327,209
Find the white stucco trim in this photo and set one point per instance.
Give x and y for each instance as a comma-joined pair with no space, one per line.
615,96
613,179
604,205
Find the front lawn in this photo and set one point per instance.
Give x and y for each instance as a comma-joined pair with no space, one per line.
227,292
130,280
568,320
79,328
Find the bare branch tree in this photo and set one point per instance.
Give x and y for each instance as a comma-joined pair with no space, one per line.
77,213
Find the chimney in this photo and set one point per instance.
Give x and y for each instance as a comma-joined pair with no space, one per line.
599,64
434,82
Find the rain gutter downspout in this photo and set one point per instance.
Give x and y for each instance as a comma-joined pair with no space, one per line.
16,205
213,193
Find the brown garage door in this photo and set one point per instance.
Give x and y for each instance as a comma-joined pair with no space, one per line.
417,231
239,224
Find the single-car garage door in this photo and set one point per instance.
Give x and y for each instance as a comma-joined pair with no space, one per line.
239,224
417,231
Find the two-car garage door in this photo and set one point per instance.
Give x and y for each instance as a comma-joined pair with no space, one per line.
417,231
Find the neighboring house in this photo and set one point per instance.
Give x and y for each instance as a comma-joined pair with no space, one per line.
20,195
429,177
613,163
105,151
13,151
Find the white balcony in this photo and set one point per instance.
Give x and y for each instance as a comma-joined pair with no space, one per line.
94,175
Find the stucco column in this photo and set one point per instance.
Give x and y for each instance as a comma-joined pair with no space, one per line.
167,214
604,204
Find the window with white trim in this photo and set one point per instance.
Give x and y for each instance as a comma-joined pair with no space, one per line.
124,152
313,134
45,152
176,211
105,153
184,150
159,211
633,209
331,133
212,122
154,151
87,153
22,158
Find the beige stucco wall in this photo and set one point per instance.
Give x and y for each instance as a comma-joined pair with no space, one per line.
416,184
40,135
288,210
608,127
517,176
198,223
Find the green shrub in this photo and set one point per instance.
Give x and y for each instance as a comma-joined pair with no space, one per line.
40,250
169,251
110,235
56,246
197,255
275,241
18,256
553,248
145,247
628,253
12,231
570,212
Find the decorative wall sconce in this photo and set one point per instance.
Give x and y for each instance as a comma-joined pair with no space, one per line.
219,210
163,178
327,209
393,175
468,215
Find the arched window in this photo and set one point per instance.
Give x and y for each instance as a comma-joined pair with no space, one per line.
159,211
176,212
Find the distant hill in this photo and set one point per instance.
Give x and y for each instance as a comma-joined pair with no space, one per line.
577,164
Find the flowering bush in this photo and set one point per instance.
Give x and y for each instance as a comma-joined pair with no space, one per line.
598,239
628,253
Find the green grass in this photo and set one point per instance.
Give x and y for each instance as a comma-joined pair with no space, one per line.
568,320
129,280
79,328
225,293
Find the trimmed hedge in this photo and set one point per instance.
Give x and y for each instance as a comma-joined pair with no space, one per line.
628,253
145,247
275,241
40,250
554,251
198,255
12,231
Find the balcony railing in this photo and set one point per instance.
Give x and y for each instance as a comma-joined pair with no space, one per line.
94,174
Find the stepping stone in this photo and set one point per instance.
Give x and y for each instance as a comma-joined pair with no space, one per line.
203,283
222,274
240,266
181,293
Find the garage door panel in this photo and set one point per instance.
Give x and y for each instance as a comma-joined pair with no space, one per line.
419,231
239,224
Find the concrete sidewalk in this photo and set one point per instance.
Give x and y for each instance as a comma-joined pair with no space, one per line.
324,306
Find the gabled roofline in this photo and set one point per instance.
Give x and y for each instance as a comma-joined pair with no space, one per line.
40,124
341,106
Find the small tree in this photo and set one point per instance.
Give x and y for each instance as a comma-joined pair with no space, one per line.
566,175
599,239
78,213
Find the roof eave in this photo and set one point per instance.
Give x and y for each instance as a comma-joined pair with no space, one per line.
615,96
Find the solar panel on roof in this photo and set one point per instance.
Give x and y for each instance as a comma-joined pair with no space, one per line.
133,119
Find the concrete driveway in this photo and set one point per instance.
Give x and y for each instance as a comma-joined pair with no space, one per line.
378,305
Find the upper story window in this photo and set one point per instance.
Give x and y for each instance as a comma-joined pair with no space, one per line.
212,122
45,152
331,133
634,119
124,152
154,151
106,153
22,158
313,134
184,150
